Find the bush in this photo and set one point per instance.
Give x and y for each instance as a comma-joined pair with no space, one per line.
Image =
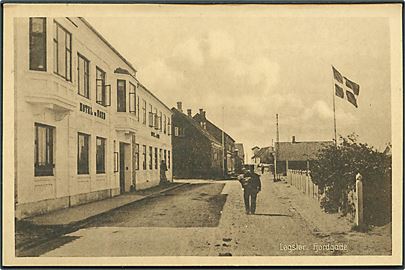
335,169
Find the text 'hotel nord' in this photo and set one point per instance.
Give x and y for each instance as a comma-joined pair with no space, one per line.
85,127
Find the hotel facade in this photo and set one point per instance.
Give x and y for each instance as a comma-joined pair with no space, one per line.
85,128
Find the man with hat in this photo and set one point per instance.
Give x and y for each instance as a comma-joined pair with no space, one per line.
251,185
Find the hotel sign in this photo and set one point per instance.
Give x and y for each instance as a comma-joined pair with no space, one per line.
89,110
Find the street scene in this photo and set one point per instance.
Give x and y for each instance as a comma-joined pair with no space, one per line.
204,218
215,131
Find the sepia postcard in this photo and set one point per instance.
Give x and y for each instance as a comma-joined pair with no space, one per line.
202,135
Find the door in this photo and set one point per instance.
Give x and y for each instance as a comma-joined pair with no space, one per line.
122,167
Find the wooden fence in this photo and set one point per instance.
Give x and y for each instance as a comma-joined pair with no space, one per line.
302,181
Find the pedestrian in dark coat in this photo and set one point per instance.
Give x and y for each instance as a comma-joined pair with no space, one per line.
251,185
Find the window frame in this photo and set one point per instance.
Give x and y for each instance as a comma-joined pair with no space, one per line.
136,154
84,172
150,158
104,143
42,35
48,168
105,88
144,162
87,85
122,107
132,98
56,40
144,112
156,158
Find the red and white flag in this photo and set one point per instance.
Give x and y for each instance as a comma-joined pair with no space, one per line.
345,88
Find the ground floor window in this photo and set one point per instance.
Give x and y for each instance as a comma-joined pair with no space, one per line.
100,155
144,157
168,159
136,154
150,157
156,158
83,153
165,156
44,147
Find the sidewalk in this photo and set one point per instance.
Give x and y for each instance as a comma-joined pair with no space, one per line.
376,241
37,229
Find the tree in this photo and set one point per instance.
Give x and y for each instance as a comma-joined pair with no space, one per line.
335,169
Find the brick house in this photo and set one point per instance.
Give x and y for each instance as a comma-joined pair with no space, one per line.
196,153
217,133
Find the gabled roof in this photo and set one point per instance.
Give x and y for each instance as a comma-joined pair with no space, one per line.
263,151
192,122
225,134
299,151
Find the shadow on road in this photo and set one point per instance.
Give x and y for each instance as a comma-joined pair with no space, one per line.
273,215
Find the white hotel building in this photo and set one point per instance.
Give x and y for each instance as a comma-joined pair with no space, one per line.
85,127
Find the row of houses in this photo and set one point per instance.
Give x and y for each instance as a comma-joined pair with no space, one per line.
288,155
87,129
201,149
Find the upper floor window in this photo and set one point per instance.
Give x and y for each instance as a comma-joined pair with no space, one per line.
151,118
83,76
156,119
160,121
37,44
103,91
164,124
121,96
62,52
143,112
137,107
44,150
132,98
169,126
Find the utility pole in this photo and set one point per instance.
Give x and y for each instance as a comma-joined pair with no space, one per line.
223,141
276,148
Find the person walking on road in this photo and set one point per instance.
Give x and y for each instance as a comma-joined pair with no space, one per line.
251,185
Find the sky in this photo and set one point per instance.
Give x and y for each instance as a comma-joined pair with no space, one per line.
243,70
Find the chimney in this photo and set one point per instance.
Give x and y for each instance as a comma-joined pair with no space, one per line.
293,139
201,111
189,112
180,106
203,114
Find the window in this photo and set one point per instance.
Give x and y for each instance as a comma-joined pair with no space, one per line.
103,91
144,112
165,157
62,46
156,120
137,107
156,158
150,158
38,44
164,124
121,96
44,147
83,153
136,154
169,127
83,76
150,115
168,159
160,121
160,155
100,155
132,98
176,131
144,157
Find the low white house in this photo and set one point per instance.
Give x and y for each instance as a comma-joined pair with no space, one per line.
85,127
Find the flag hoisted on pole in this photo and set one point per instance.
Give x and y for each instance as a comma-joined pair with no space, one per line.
345,89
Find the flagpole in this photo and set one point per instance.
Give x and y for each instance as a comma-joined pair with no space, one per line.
334,108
